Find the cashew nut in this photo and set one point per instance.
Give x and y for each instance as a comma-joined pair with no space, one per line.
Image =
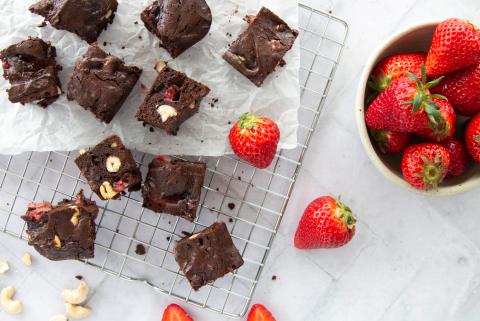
107,191
3,266
76,213
58,317
76,296
27,259
113,164
77,311
166,112
57,242
82,151
108,15
160,65
9,305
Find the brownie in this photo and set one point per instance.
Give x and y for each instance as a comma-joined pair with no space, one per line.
101,83
62,232
173,186
85,18
208,255
31,68
109,168
172,99
179,24
260,49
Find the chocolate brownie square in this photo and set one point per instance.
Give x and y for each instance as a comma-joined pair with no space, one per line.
173,186
208,255
179,24
109,168
31,68
260,49
101,83
62,232
172,99
85,18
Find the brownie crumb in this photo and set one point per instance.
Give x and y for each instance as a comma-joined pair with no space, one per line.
231,206
187,233
330,11
142,86
229,122
78,277
169,222
230,220
152,129
274,278
104,43
239,178
117,230
42,24
228,34
123,47
135,23
140,37
144,124
140,249
201,141
168,238
217,189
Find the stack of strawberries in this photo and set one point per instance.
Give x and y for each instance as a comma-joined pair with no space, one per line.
422,102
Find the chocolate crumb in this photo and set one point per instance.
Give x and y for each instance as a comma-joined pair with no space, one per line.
140,37
42,24
229,122
135,23
168,238
123,47
144,124
230,220
239,178
152,129
217,189
140,249
188,234
274,278
104,43
142,86
231,206
202,141
330,11
149,143
169,222
78,277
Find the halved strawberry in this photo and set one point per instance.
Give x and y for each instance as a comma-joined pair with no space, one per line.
175,313
259,313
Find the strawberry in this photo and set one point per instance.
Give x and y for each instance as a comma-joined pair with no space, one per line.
326,223
444,130
259,313
393,67
175,313
425,166
455,45
390,142
458,157
462,89
406,106
472,138
255,139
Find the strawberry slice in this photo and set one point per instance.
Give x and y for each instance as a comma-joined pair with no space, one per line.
260,313
175,313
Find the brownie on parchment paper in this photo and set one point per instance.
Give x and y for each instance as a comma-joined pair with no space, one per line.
261,48
109,168
31,68
208,255
172,99
85,18
65,231
179,24
173,186
101,83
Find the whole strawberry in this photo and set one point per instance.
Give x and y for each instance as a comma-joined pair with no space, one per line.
472,138
462,89
259,313
458,157
455,45
424,166
444,130
255,139
175,313
326,223
390,142
393,67
405,106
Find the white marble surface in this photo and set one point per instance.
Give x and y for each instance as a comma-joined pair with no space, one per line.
413,258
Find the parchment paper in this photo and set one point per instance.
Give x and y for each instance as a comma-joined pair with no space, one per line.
65,126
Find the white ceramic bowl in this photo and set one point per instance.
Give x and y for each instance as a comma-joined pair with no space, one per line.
414,38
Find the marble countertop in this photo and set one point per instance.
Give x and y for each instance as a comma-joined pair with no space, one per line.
413,257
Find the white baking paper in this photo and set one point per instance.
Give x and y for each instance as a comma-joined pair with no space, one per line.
65,126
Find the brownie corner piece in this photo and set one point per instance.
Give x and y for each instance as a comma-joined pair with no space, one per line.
174,186
261,48
109,168
101,83
31,68
179,24
86,18
172,99
208,255
65,231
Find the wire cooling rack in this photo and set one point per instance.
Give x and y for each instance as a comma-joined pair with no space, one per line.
249,200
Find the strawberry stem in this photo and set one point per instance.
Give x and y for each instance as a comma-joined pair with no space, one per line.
248,121
432,172
344,213
477,138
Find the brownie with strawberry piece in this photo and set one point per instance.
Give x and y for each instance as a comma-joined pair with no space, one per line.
172,100
109,168
173,186
207,255
31,68
261,48
65,231
179,24
101,83
86,18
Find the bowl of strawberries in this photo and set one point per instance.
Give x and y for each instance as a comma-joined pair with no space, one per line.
418,107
